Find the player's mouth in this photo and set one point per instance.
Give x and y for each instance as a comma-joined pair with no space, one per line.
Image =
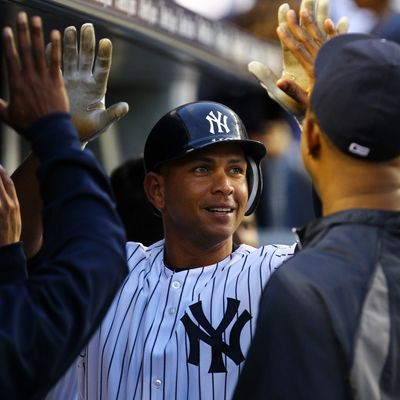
224,210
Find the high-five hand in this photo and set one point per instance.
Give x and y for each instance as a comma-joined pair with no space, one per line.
300,42
36,88
86,85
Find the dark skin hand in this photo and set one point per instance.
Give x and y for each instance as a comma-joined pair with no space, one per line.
36,88
303,38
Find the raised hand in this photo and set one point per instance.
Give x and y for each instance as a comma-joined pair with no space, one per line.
36,88
86,85
300,42
10,218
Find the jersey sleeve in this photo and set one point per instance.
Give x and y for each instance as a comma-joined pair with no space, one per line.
294,354
46,318
13,263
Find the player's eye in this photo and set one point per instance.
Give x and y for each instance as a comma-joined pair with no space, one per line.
201,169
237,170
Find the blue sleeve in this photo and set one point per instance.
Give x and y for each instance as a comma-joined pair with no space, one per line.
294,354
46,319
13,262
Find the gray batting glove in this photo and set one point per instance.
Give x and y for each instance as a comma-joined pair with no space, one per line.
87,86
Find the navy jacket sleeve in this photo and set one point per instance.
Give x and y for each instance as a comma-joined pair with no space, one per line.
46,318
13,262
294,354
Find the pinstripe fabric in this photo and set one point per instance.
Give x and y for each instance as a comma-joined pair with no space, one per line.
141,349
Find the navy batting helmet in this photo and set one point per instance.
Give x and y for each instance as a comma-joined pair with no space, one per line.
197,125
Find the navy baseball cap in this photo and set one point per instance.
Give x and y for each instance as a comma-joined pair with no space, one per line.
356,96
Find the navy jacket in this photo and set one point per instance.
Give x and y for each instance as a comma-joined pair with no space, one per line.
47,317
329,321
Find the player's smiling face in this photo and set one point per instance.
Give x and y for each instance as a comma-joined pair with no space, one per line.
205,194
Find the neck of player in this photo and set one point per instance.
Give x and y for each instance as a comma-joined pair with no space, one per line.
187,254
370,185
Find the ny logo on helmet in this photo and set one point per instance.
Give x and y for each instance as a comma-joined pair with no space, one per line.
212,119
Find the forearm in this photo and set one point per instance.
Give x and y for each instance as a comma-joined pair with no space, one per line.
27,187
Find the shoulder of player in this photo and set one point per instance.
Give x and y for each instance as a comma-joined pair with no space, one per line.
294,286
268,257
304,271
137,252
278,250
294,305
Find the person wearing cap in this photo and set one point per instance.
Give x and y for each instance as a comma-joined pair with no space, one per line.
329,321
183,321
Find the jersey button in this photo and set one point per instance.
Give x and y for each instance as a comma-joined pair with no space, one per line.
176,284
157,383
172,310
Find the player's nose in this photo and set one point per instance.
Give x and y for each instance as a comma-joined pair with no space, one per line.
222,182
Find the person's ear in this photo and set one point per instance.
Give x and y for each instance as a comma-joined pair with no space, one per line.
312,137
154,188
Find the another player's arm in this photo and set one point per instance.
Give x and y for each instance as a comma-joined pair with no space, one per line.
86,87
48,316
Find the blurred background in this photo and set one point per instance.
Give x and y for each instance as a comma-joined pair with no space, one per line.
167,53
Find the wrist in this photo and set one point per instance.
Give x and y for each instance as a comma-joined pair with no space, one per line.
55,131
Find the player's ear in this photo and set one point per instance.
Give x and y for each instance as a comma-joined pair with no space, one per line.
311,136
154,188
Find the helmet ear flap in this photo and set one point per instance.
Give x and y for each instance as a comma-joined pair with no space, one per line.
254,183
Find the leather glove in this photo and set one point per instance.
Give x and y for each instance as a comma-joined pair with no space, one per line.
86,86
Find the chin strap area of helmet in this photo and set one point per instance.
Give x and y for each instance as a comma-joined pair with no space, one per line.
254,182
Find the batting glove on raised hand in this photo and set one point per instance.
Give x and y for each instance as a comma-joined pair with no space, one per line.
87,86
318,29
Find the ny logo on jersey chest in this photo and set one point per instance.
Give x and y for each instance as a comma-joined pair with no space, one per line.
213,337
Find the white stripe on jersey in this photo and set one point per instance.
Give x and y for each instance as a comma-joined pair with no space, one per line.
143,350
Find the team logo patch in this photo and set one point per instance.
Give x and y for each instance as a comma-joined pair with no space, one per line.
221,121
202,330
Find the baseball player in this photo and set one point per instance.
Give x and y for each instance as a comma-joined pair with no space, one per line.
183,321
181,325
333,308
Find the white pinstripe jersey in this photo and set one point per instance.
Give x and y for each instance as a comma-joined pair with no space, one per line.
179,335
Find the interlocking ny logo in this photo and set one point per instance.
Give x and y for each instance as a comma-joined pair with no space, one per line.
211,118
213,337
